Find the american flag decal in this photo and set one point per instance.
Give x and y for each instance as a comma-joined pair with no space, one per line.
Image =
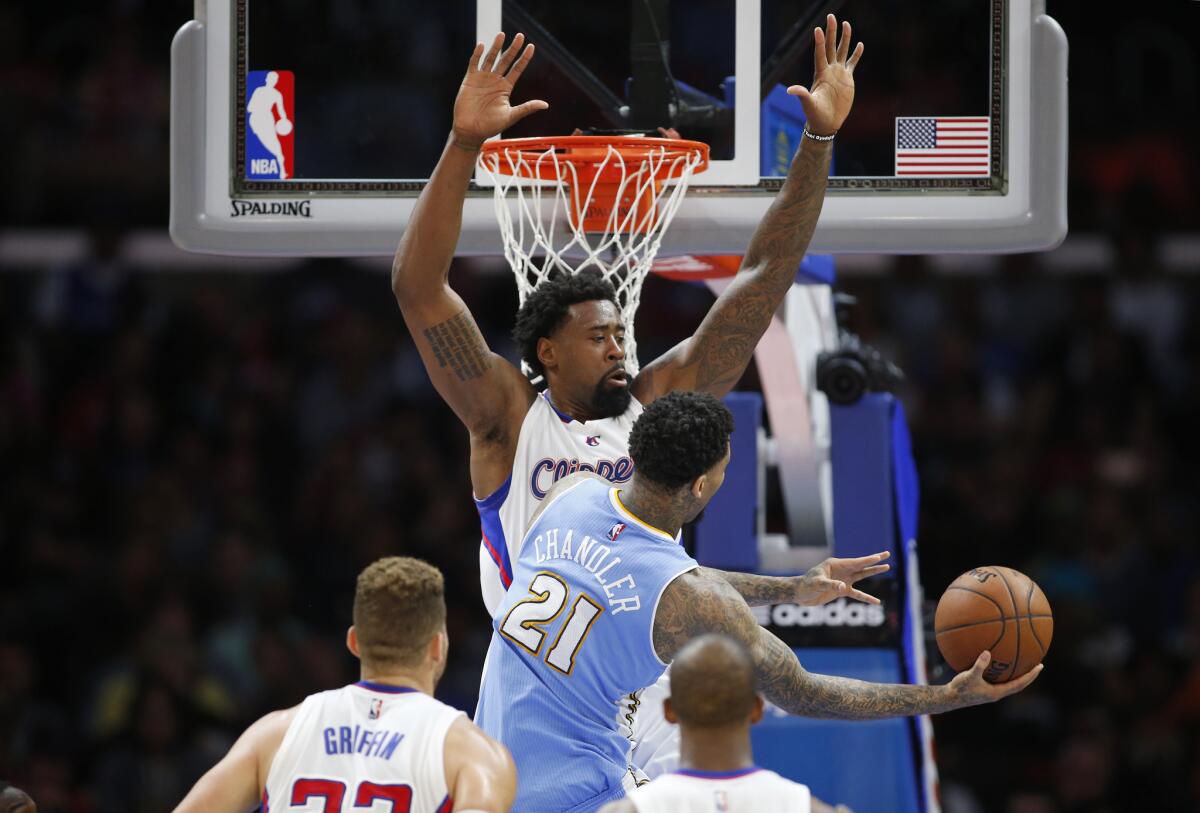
943,145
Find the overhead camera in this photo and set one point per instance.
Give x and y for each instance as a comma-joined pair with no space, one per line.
854,368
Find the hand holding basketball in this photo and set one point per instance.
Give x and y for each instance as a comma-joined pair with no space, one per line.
971,688
828,102
997,611
482,108
283,127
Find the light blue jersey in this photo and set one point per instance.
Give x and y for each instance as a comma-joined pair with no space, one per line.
572,640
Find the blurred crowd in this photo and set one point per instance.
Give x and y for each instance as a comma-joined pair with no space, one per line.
195,471
1054,423
196,465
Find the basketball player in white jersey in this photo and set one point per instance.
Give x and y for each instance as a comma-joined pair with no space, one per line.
380,744
570,331
714,704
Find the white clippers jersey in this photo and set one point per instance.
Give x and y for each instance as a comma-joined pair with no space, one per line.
550,446
752,790
366,747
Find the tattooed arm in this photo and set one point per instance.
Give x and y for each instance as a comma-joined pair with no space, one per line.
487,393
696,603
716,356
823,583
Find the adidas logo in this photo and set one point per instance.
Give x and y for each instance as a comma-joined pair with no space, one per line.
840,613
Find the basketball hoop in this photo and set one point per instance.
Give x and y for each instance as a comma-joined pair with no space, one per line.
566,203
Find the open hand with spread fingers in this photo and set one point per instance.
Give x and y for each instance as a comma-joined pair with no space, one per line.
827,103
835,578
482,108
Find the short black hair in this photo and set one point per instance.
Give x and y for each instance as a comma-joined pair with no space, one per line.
679,437
712,682
544,311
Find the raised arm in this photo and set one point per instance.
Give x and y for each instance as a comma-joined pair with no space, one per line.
487,393
480,772
716,356
696,603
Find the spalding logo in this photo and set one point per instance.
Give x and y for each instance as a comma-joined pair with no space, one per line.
840,613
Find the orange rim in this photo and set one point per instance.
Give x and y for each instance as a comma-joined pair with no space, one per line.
591,156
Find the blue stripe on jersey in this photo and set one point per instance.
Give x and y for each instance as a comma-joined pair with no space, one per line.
562,416
572,637
493,531
718,774
384,687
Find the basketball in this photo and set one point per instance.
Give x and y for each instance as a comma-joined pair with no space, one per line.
997,609
283,127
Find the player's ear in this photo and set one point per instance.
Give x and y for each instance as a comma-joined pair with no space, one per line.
756,713
439,646
669,711
352,641
546,352
698,486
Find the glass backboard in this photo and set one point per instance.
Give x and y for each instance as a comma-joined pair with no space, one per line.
309,126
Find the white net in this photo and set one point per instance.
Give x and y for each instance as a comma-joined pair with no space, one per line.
551,209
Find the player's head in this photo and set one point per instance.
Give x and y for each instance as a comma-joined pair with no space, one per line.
712,686
15,800
570,330
272,78
399,618
680,448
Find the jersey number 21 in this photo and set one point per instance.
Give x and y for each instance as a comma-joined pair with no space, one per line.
548,596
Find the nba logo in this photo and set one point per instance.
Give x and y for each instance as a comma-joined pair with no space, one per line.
720,800
270,125
615,531
376,709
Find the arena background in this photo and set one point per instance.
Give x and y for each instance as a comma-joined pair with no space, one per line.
198,455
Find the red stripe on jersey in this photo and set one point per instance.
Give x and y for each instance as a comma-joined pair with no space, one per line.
505,578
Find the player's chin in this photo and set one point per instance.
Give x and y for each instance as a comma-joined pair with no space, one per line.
610,399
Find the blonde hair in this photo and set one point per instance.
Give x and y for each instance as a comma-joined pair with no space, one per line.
399,605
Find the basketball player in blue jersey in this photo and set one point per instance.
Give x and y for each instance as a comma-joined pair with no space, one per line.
382,743
570,332
603,598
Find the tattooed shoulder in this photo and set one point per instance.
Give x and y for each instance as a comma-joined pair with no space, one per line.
696,603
